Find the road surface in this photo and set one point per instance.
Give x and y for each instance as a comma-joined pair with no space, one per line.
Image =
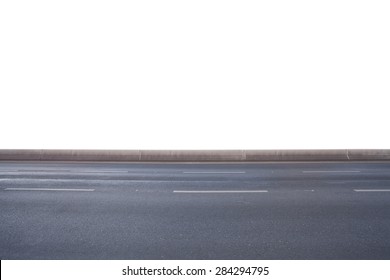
276,210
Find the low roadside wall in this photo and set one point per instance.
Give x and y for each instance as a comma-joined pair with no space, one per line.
196,155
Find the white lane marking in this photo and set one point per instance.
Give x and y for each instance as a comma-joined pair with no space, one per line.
373,190
308,190
71,171
214,191
330,171
59,171
43,170
102,171
44,189
96,180
214,172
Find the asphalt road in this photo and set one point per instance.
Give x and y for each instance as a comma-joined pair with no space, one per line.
318,210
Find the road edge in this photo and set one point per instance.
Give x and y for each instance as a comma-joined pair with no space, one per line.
195,155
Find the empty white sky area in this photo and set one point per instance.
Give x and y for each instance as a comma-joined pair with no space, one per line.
201,74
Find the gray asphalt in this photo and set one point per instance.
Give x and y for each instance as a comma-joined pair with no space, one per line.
290,210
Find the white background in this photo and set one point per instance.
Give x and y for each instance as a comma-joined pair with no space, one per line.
278,270
201,74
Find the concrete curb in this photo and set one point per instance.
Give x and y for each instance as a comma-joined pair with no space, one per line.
196,155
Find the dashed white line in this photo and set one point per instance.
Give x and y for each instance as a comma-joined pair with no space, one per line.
226,191
46,189
67,171
331,171
102,171
214,172
373,190
43,170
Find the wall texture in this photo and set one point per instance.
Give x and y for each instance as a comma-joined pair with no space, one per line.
195,155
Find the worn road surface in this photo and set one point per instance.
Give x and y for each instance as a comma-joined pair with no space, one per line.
275,210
